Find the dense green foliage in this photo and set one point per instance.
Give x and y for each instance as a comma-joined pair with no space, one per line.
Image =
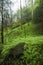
38,13
33,51
24,30
25,15
33,54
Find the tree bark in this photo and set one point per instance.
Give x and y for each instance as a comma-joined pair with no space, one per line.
2,35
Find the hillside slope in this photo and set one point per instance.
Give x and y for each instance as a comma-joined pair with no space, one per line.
31,37
30,33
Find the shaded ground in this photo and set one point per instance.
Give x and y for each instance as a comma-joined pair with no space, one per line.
14,57
25,54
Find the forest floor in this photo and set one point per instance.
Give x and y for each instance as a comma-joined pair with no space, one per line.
28,35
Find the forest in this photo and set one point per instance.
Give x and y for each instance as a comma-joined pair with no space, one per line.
21,32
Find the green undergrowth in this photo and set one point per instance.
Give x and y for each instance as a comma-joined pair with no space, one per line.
27,30
28,34
33,49
29,40
33,54
31,36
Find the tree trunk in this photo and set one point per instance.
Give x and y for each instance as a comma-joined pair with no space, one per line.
21,13
2,36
